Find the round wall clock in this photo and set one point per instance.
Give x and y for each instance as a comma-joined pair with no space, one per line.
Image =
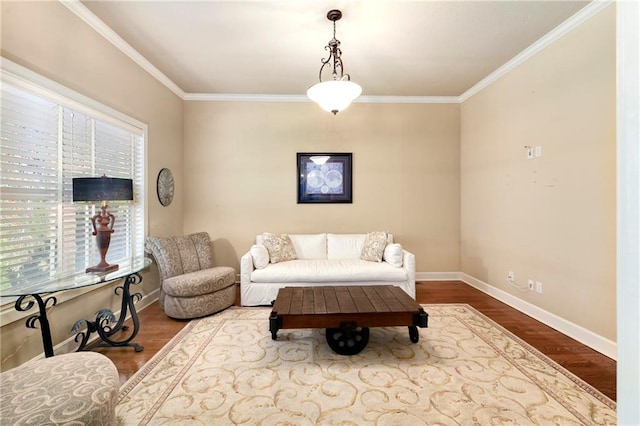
165,187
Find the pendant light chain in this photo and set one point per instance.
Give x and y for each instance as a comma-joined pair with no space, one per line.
337,53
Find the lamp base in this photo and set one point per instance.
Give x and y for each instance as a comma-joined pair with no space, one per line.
102,269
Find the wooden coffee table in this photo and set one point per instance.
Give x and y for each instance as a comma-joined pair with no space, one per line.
346,312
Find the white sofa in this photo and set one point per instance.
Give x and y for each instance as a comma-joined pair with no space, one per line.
323,259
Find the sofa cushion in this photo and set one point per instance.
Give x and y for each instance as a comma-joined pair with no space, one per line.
259,255
327,271
312,246
345,246
393,255
374,245
279,246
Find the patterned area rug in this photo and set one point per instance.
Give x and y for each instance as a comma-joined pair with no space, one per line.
465,370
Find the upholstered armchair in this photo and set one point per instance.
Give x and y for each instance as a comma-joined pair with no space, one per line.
190,286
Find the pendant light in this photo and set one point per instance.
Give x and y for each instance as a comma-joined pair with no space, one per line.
338,93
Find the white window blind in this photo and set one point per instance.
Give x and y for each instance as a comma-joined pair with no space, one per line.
46,141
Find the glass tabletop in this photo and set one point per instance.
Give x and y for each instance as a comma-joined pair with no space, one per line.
126,267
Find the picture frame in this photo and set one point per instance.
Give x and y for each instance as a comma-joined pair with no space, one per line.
324,177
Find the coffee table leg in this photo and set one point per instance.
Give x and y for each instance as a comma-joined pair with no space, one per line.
275,323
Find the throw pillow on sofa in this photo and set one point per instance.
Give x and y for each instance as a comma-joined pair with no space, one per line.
393,255
280,247
374,245
260,256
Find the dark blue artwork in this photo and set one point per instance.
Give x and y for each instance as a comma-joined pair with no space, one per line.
325,178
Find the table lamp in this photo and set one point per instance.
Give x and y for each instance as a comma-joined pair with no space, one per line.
102,189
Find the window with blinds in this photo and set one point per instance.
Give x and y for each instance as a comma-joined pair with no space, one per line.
47,140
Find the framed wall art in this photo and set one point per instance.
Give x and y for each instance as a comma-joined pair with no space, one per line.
324,177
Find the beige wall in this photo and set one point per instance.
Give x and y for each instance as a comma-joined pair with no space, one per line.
551,219
49,39
241,174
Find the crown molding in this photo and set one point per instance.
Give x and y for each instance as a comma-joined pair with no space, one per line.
230,97
104,30
560,31
409,99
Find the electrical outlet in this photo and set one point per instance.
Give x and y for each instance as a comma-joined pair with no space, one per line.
538,151
538,287
530,284
510,276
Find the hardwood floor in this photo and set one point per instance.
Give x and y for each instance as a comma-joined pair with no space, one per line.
586,363
596,369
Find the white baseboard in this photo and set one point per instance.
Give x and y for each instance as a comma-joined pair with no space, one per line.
581,334
70,345
437,276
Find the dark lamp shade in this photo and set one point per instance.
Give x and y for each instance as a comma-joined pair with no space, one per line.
102,189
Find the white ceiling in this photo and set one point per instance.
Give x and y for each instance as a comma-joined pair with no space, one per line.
391,48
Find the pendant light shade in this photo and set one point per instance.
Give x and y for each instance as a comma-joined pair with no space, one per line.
336,94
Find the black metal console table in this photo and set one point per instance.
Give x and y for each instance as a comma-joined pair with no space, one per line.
105,319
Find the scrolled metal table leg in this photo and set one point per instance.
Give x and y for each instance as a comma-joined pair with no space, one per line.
45,330
104,319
